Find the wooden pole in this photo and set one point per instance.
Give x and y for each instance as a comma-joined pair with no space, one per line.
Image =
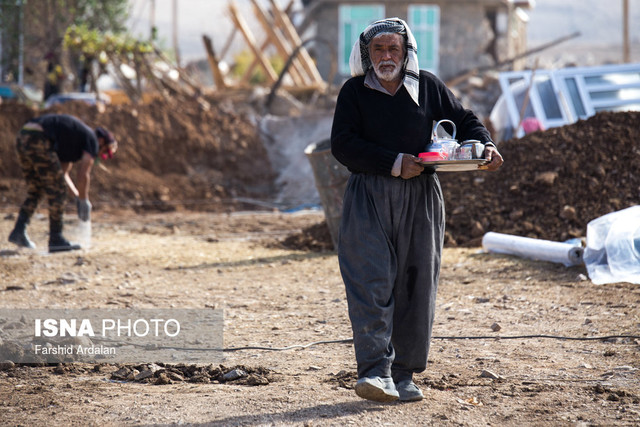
626,50
254,63
152,20
289,30
176,48
297,73
272,76
227,44
218,78
289,9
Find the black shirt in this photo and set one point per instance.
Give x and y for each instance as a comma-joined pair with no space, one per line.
371,128
69,135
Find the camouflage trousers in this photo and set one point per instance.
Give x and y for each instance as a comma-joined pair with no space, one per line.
43,173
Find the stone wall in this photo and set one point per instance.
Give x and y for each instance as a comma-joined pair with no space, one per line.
467,31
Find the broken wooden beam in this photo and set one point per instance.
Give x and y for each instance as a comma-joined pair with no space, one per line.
282,19
297,72
218,78
241,24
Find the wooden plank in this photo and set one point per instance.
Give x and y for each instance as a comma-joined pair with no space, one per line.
289,9
289,30
227,44
182,73
218,78
265,44
241,24
296,72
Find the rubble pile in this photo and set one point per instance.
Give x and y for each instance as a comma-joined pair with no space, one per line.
171,155
552,182
161,374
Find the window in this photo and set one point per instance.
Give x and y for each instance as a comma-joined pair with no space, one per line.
424,21
352,21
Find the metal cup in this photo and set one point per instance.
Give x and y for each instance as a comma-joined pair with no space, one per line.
477,148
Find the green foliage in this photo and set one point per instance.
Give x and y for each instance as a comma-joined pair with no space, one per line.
103,15
243,61
95,44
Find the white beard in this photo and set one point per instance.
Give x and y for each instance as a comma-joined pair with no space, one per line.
387,76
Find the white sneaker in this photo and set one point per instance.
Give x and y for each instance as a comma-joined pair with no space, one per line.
377,389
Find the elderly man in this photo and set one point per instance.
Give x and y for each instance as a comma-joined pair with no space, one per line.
393,219
47,148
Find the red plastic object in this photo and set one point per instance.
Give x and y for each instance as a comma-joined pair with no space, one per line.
432,156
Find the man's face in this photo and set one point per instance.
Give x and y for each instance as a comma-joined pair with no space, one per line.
387,56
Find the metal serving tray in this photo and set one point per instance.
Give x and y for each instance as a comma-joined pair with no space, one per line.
456,165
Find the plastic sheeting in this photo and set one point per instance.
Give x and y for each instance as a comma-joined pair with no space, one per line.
80,232
613,247
543,250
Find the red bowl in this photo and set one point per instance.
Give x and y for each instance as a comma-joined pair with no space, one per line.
432,156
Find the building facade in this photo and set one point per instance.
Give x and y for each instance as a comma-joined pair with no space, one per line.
452,35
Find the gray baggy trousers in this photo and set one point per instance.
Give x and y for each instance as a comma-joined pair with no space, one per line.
389,251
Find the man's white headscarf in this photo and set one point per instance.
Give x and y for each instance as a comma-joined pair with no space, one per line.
360,62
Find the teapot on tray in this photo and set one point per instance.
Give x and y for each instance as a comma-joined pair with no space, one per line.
445,148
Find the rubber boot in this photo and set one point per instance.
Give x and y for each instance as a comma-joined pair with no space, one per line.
19,233
57,242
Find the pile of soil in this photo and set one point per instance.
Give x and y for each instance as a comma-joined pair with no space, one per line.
171,154
314,238
550,186
552,182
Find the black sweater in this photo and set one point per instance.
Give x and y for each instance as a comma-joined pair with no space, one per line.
370,128
70,136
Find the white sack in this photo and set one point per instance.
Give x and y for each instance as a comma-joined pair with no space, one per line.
613,247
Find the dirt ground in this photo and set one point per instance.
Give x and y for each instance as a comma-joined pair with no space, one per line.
277,295
517,342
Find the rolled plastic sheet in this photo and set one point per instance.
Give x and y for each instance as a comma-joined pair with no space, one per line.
542,250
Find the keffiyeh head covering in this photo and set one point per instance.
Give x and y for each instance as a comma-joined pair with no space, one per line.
360,62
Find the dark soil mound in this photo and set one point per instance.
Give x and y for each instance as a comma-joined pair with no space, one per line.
315,238
170,155
552,182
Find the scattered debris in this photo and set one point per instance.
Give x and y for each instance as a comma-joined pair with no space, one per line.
161,374
488,374
315,238
5,253
234,375
5,365
345,379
